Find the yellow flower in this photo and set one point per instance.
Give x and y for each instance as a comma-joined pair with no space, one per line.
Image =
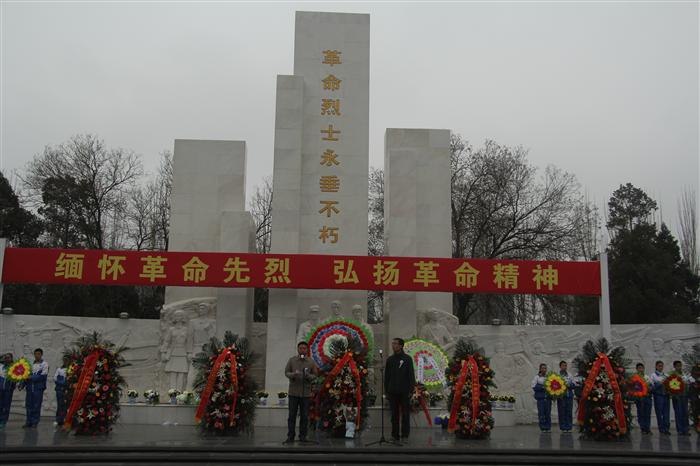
555,385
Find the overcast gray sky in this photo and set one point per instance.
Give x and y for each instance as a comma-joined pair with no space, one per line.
607,91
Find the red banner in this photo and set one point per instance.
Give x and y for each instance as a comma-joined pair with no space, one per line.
302,271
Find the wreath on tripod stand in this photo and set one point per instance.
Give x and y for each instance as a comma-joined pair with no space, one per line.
602,411
342,396
469,378
227,393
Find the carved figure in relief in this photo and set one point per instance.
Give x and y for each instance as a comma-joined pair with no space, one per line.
336,310
306,326
174,351
435,331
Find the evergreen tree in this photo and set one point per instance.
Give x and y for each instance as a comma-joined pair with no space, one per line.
648,280
17,224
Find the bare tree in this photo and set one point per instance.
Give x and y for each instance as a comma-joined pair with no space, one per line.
164,190
140,214
688,232
502,207
375,247
261,208
98,177
148,209
376,212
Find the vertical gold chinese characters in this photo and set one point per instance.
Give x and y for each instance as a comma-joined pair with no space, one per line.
330,183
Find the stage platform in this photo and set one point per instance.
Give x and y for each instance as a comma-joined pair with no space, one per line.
270,415
148,444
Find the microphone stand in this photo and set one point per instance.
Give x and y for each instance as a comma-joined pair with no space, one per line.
382,440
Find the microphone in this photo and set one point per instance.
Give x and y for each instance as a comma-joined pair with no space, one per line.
302,356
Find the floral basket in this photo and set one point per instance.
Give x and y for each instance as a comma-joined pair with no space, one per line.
152,397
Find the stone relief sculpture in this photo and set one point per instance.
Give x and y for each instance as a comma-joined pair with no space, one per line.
21,339
174,351
336,310
200,326
438,327
514,350
359,315
306,326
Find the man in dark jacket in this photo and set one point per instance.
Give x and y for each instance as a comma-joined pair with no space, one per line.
399,380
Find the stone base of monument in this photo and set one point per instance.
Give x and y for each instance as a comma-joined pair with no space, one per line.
267,416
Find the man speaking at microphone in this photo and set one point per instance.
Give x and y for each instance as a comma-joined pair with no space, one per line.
300,371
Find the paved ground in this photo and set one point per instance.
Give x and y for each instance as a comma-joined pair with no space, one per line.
424,445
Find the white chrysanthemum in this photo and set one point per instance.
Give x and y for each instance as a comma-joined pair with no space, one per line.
329,341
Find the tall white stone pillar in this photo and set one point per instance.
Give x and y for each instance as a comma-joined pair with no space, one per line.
208,215
321,167
417,217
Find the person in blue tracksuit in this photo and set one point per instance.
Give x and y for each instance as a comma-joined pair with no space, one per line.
59,380
662,407
35,386
565,404
544,403
644,405
7,388
680,402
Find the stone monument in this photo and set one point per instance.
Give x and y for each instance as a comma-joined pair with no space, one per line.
321,165
417,218
208,215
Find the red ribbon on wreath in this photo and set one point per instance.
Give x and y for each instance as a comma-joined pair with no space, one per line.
603,360
471,366
227,353
424,406
346,360
82,386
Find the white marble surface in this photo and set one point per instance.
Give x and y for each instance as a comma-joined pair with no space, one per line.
208,180
21,334
268,416
515,351
208,215
417,216
296,220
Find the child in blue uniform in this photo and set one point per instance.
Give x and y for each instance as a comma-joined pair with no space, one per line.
35,387
7,388
662,407
544,403
565,404
644,405
59,380
680,402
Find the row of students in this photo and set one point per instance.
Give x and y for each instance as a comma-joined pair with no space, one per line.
565,404
34,388
658,397
662,403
